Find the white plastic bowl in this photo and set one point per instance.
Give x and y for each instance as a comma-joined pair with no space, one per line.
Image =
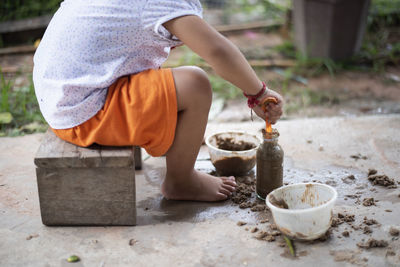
235,162
309,213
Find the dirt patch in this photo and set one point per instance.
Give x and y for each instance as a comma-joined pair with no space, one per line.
352,196
325,236
390,253
372,172
346,233
382,180
373,243
364,227
337,220
133,242
370,201
331,183
269,236
352,257
244,197
32,236
367,230
341,218
351,92
349,179
253,230
231,144
266,236
245,194
241,223
258,207
394,232
370,221
358,156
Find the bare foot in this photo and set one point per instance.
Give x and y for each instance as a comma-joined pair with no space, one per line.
199,187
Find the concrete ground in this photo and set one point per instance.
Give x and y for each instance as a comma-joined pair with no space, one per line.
174,233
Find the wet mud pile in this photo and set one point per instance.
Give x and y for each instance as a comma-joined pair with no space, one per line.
268,236
394,232
382,180
342,218
373,243
270,233
244,196
369,201
233,145
364,226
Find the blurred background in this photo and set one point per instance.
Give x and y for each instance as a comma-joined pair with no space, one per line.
326,57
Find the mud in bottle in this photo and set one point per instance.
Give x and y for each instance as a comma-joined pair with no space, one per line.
269,165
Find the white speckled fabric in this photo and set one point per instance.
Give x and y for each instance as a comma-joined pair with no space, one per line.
89,44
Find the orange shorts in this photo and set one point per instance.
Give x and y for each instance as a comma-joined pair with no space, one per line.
140,109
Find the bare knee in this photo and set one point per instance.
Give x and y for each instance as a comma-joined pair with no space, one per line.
193,87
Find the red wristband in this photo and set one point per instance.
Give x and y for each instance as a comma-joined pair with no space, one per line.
252,100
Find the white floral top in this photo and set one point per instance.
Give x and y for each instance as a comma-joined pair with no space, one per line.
89,44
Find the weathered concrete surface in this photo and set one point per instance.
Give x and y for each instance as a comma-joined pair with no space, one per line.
172,233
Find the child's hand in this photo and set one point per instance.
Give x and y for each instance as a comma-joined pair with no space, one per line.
274,111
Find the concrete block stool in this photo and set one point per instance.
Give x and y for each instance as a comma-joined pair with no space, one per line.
86,186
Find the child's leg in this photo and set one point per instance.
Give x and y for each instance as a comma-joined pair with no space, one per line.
182,182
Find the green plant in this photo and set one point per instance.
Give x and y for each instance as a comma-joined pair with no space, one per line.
20,9
384,12
276,6
5,93
305,65
297,98
189,57
380,46
381,42
287,49
257,9
223,88
19,109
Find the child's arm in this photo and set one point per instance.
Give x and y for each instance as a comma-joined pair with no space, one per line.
224,57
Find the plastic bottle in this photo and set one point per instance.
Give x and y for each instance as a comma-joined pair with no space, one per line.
269,165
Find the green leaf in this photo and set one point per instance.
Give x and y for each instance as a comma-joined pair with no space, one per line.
290,245
73,258
5,117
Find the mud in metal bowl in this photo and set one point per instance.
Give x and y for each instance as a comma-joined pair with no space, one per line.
302,211
228,162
